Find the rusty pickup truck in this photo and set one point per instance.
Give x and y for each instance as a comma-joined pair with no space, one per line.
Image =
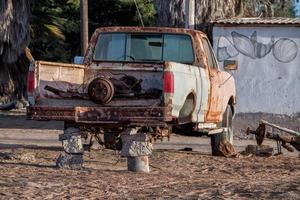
153,79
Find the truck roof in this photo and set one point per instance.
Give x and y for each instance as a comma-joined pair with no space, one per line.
149,30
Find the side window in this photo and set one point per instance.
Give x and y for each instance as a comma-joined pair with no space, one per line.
209,52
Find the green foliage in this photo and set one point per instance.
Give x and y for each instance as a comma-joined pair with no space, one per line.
55,24
146,9
120,13
52,26
287,11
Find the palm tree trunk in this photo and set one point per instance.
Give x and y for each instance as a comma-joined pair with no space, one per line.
14,36
171,12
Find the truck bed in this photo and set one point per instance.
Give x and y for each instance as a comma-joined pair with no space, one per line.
74,104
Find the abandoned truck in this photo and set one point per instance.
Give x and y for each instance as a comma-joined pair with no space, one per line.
135,85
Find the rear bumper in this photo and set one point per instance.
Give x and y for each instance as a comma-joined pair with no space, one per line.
142,116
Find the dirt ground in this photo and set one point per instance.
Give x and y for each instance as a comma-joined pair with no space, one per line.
28,151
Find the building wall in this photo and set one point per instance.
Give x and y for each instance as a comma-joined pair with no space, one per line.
268,77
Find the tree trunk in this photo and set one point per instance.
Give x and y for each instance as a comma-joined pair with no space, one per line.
14,36
172,12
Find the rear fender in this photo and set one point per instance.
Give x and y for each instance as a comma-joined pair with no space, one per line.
184,84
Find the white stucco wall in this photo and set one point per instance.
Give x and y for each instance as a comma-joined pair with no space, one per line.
268,77
297,8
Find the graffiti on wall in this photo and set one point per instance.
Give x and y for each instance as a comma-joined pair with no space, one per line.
284,50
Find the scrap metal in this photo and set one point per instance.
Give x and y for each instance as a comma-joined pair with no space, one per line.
288,142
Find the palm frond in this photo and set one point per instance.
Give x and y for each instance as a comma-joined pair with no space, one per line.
55,30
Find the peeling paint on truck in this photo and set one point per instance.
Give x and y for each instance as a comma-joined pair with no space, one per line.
200,95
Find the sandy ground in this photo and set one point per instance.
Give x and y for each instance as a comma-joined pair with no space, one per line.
28,151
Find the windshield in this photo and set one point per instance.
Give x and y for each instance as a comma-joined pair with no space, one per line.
144,47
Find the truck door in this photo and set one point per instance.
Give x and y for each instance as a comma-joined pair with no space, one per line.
215,98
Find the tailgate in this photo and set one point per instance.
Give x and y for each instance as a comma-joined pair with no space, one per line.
66,77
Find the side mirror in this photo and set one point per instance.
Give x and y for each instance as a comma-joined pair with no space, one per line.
78,60
230,65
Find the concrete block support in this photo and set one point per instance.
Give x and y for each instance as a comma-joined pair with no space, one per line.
136,147
138,164
73,156
69,161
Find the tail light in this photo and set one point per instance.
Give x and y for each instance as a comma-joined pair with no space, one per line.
30,82
168,82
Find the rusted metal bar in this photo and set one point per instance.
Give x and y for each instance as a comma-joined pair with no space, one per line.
120,114
50,113
285,141
292,132
98,115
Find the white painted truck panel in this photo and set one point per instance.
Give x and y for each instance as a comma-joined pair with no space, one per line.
190,79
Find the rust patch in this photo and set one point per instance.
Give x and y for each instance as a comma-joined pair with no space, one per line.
168,109
50,113
215,101
124,114
111,64
97,115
